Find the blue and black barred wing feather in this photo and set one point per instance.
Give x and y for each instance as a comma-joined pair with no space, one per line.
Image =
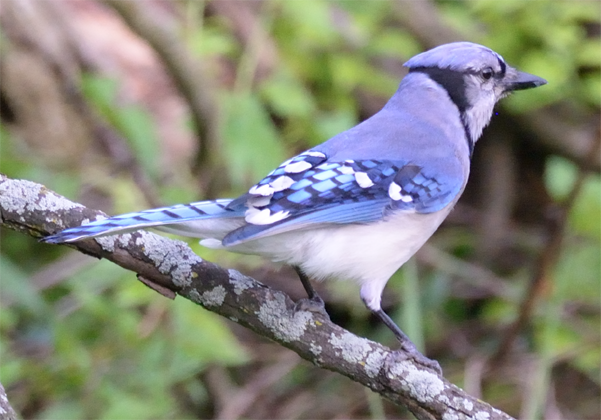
309,190
173,215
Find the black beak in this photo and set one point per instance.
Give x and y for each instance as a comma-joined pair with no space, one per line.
524,81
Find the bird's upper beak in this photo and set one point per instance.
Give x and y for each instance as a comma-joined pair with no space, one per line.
523,80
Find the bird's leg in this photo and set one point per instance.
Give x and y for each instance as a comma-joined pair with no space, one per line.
314,303
406,343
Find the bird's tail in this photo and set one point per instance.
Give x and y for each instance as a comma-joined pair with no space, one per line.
202,219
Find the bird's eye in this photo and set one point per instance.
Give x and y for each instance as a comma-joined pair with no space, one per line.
487,73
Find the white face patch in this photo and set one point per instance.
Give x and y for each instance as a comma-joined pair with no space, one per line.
264,217
264,190
281,183
363,180
296,167
482,98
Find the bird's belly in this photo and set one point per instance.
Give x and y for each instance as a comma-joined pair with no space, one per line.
359,252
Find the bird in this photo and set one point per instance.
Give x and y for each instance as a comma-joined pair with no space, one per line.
359,205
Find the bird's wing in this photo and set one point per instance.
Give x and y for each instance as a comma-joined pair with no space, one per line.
309,190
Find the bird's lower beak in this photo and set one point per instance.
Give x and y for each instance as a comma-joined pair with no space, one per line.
524,81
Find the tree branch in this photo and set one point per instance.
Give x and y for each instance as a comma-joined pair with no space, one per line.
171,268
6,410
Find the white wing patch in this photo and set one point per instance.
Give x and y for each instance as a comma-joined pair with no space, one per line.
347,170
282,183
264,190
297,167
258,201
396,193
262,194
255,216
315,154
363,180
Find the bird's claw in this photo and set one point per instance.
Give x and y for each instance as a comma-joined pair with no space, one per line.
314,304
411,352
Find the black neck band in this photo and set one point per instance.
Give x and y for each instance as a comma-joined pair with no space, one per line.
453,82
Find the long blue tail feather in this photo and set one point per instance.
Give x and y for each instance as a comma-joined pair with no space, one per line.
180,213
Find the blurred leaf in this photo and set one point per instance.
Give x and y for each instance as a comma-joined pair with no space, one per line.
591,89
392,42
589,53
212,39
101,91
131,121
560,175
17,289
139,129
251,141
287,96
311,22
125,405
585,217
64,410
204,337
330,124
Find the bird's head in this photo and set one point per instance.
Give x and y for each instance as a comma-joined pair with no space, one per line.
475,78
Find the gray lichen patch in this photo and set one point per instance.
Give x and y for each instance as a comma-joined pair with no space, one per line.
421,384
280,321
18,196
358,350
110,243
353,349
315,349
374,362
171,257
240,281
213,297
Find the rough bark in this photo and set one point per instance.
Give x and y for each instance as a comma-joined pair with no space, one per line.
6,410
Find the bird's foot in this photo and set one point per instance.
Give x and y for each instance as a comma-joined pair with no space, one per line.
409,350
314,304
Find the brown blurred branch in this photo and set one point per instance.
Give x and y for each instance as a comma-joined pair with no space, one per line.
6,410
425,23
172,268
542,279
188,74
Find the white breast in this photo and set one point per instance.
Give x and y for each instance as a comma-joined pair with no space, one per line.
366,253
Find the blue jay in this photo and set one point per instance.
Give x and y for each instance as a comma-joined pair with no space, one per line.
358,206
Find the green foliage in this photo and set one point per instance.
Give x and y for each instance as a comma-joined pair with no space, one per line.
246,129
131,121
